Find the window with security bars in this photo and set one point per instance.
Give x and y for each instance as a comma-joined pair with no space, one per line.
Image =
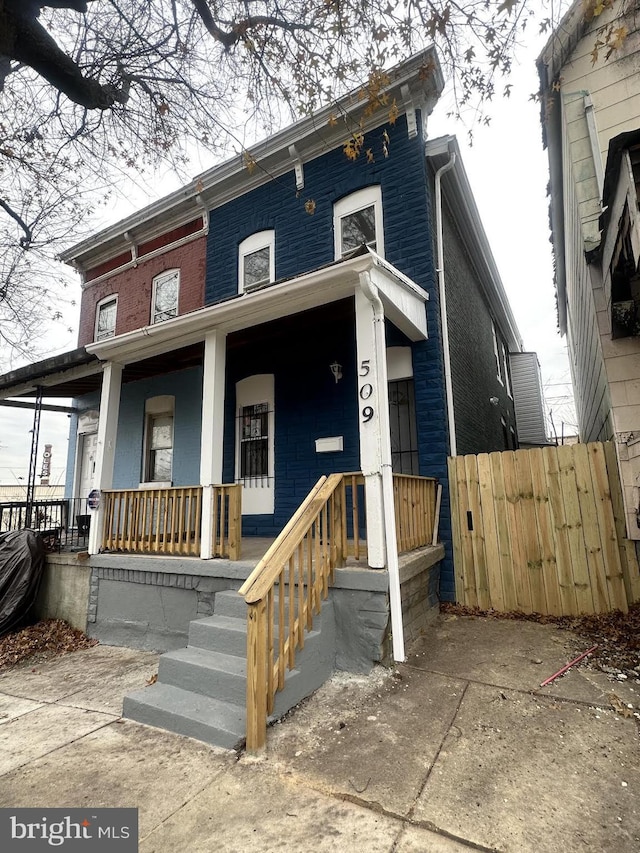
254,442
402,423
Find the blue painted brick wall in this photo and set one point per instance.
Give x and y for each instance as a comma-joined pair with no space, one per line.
304,242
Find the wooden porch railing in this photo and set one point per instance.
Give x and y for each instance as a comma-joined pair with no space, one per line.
415,507
303,557
168,521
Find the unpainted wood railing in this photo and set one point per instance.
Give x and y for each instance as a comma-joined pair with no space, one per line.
169,521
227,521
303,557
415,509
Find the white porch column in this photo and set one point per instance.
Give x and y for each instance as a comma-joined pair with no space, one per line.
211,446
369,409
106,445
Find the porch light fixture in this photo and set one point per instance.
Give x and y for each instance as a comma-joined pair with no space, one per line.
336,371
494,401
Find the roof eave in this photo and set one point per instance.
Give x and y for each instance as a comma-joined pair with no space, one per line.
457,191
231,178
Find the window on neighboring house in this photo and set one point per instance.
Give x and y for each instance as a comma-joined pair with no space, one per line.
357,220
256,260
159,417
106,311
164,299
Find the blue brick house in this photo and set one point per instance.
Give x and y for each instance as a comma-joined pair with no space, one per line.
291,313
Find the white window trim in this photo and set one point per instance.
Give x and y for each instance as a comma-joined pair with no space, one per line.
258,499
113,297
155,407
156,280
253,243
352,203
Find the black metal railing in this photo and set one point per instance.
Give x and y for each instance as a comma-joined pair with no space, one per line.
62,523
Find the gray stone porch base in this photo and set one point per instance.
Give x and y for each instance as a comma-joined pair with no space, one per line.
148,602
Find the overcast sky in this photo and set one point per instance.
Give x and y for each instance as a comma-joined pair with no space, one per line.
508,172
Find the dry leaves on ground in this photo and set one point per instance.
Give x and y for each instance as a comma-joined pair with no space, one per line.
38,642
616,634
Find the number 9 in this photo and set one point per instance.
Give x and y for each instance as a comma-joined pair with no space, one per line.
367,413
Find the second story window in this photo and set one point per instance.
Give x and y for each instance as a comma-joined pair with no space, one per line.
106,311
164,299
357,221
256,260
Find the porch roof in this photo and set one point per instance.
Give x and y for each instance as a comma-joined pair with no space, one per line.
403,301
79,371
66,375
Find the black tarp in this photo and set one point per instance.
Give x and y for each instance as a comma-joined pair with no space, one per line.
21,568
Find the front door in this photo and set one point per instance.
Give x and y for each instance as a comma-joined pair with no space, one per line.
87,464
402,423
255,423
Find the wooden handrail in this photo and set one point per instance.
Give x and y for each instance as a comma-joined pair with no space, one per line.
303,558
293,521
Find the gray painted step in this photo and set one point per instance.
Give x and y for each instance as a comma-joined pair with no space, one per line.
229,603
224,676
219,634
211,673
187,713
201,690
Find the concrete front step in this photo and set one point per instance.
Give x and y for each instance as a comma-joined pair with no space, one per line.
187,713
224,634
229,603
201,690
211,673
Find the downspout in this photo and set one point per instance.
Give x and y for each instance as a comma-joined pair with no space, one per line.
388,507
589,115
453,450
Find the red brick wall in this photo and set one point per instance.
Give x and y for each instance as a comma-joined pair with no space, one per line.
134,287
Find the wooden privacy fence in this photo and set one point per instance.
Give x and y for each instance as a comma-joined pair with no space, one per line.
169,521
542,531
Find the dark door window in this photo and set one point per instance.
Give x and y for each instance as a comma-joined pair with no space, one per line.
402,420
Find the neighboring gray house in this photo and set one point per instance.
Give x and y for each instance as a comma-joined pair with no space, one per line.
529,399
591,127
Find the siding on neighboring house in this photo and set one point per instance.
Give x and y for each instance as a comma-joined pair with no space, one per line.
585,350
528,398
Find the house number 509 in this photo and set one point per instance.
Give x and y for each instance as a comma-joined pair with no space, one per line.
366,390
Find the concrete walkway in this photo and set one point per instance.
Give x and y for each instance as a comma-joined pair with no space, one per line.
457,749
